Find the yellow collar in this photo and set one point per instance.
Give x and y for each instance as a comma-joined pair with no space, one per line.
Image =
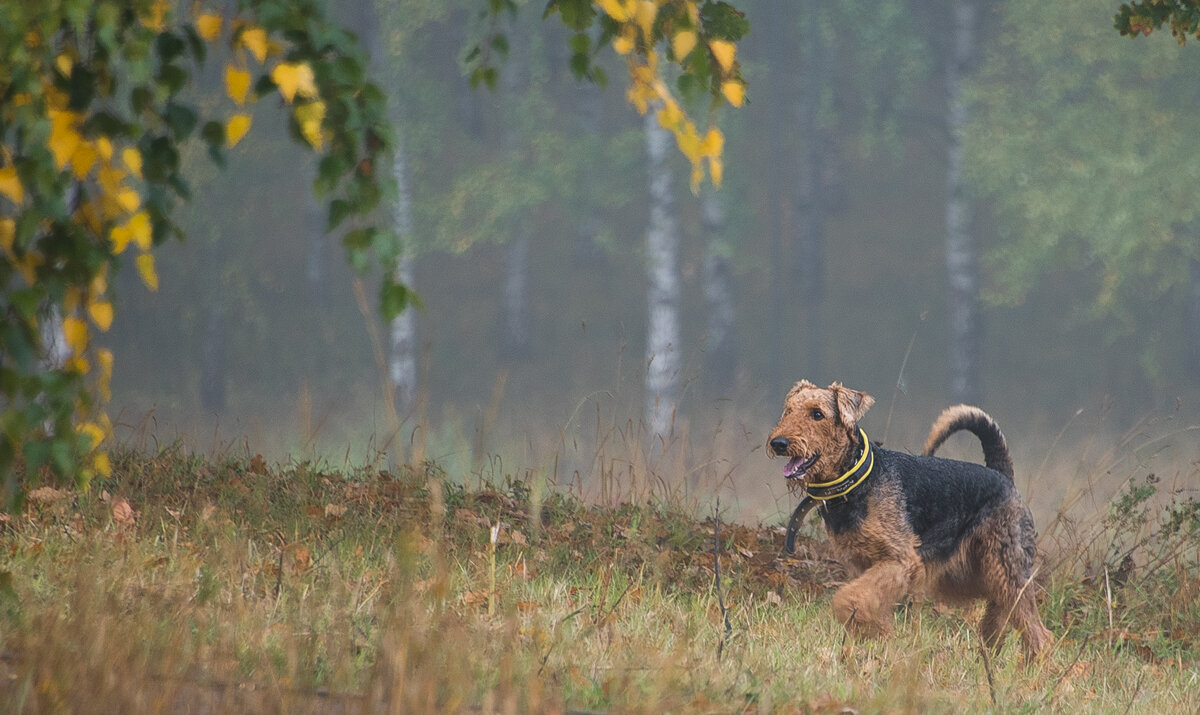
839,487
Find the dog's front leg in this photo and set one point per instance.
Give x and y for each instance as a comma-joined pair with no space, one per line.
864,606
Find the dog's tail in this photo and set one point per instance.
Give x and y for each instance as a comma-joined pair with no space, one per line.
975,420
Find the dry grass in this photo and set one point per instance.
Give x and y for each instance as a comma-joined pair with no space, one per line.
185,585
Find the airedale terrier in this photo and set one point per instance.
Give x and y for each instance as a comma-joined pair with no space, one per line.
912,524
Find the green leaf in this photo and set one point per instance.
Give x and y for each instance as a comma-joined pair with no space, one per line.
339,209
393,298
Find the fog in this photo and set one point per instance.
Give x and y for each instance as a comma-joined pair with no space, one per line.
851,192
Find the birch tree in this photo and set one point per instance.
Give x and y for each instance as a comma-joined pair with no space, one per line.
965,334
663,378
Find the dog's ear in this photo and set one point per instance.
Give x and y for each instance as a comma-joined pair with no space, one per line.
851,404
802,385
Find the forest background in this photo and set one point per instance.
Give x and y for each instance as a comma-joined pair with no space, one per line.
927,204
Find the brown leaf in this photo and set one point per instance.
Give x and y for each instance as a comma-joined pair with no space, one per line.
122,513
335,511
47,495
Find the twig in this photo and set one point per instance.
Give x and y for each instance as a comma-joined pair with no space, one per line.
1136,689
1054,686
987,669
717,579
279,575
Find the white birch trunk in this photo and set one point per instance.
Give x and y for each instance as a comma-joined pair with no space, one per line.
662,295
963,300
402,361
809,255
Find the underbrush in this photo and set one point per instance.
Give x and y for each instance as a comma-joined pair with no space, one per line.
186,585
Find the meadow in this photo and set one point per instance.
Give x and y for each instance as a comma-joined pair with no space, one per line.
230,584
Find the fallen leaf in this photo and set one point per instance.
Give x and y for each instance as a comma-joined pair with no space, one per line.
47,495
334,511
122,513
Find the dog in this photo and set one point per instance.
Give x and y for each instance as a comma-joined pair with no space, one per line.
905,524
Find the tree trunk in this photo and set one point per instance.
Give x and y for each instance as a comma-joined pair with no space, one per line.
402,361
809,258
963,299
212,357
662,295
778,21
515,340
1192,329
317,265
588,108
720,346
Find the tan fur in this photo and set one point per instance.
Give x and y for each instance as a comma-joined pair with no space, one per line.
882,552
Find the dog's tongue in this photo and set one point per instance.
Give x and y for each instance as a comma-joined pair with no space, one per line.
793,464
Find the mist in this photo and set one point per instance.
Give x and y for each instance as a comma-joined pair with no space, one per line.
1036,252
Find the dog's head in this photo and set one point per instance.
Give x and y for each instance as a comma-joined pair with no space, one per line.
817,430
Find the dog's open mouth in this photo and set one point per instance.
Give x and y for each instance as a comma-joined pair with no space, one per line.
797,466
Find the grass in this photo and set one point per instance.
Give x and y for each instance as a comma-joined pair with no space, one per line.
190,585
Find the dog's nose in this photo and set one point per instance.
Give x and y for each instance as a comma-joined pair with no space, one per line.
779,445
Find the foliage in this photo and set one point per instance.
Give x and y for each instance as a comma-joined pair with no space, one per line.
1142,18
696,38
94,112
1082,141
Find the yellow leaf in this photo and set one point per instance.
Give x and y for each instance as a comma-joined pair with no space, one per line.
255,40
145,268
236,128
670,115
105,147
133,159
137,229
65,64
623,43
129,200
293,78
10,185
76,333
105,357
309,117
8,233
157,19
110,180
716,169
142,231
99,282
734,91
714,142
120,237
209,26
83,159
94,433
101,464
724,52
101,313
683,43
237,84
647,11
616,9
64,139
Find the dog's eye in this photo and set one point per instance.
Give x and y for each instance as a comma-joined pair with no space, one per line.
818,415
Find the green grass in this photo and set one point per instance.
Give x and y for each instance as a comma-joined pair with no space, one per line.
243,587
